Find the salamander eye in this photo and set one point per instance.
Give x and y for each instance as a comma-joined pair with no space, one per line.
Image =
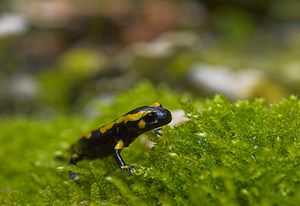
151,117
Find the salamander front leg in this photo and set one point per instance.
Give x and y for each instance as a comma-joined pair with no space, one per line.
117,150
158,131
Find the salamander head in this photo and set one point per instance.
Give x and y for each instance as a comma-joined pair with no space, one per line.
146,118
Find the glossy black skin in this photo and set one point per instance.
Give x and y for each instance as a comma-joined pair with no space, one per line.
103,144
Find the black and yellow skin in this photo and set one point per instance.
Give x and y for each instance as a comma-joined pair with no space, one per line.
113,137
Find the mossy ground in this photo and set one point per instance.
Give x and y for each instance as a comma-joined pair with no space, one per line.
242,153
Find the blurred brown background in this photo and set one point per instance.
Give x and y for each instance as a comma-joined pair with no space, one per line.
64,55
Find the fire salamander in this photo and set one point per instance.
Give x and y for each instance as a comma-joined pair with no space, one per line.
113,137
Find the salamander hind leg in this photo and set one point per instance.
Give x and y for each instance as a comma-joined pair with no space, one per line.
73,160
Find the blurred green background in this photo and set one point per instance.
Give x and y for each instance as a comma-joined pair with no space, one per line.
65,56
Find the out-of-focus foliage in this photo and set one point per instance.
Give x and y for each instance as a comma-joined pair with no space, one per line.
242,153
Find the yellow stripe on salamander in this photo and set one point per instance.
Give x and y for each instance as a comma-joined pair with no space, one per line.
126,118
156,104
142,124
88,136
119,145
136,116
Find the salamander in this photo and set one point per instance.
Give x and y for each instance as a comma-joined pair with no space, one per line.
111,138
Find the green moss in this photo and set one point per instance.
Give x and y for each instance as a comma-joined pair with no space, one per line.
242,153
